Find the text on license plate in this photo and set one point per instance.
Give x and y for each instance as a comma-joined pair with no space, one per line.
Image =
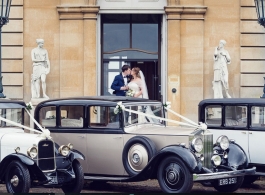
227,181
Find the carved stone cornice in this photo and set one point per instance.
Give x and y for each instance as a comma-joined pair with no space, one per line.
71,12
185,12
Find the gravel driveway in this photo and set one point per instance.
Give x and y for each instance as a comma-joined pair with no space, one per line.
150,186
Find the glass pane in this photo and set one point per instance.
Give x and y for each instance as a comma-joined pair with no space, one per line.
132,118
48,116
103,117
116,36
145,37
14,115
72,116
213,115
236,116
257,116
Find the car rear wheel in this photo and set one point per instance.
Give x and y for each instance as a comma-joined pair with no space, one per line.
137,153
174,176
228,188
17,178
77,185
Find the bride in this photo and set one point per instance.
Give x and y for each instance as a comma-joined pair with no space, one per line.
137,84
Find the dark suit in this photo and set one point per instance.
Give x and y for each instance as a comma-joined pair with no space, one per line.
117,84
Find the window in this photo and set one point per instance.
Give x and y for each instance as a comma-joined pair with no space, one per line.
14,115
47,116
103,117
72,116
257,116
236,116
132,118
213,115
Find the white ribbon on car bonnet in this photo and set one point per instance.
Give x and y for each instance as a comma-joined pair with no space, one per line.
201,125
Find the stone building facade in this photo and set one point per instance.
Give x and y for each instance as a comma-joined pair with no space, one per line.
172,41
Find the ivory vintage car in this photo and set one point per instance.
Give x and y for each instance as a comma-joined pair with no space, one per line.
29,159
240,118
129,147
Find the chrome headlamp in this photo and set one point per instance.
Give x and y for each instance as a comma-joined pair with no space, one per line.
197,144
64,150
70,146
216,160
223,142
32,152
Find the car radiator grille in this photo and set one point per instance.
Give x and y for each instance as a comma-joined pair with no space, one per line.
46,161
207,149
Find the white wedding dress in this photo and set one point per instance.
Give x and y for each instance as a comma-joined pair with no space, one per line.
136,86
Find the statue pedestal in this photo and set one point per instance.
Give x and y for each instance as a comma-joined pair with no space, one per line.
35,102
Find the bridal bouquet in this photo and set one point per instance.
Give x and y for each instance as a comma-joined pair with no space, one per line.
130,93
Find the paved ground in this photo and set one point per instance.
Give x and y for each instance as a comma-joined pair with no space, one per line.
150,186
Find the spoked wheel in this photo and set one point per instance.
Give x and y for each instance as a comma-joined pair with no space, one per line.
77,185
228,188
173,176
17,178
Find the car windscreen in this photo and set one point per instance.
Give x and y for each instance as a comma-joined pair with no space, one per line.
150,112
14,115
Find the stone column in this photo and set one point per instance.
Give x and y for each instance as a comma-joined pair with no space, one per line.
78,49
173,57
90,54
185,57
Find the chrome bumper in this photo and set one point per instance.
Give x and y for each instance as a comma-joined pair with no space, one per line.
226,174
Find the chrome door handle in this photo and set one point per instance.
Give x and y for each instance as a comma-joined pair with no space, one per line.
117,137
243,132
81,136
250,132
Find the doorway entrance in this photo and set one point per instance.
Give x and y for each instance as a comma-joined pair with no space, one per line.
152,77
133,39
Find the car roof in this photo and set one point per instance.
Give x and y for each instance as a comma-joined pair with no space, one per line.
110,99
6,103
233,101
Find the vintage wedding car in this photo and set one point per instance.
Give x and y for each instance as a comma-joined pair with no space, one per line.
34,159
126,139
242,119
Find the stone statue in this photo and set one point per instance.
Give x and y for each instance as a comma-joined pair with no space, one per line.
41,67
220,81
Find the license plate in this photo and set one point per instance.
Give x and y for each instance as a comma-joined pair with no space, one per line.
227,181
53,180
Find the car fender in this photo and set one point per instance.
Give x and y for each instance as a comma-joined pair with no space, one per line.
75,154
237,157
31,165
184,154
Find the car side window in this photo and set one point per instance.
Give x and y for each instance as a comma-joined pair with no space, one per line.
213,115
257,116
103,117
47,116
14,115
236,116
72,116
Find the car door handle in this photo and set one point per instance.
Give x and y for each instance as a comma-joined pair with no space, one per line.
81,136
243,132
250,132
117,137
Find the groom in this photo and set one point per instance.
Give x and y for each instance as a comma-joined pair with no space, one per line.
119,85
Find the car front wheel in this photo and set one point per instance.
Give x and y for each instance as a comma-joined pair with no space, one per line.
17,178
77,185
174,176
